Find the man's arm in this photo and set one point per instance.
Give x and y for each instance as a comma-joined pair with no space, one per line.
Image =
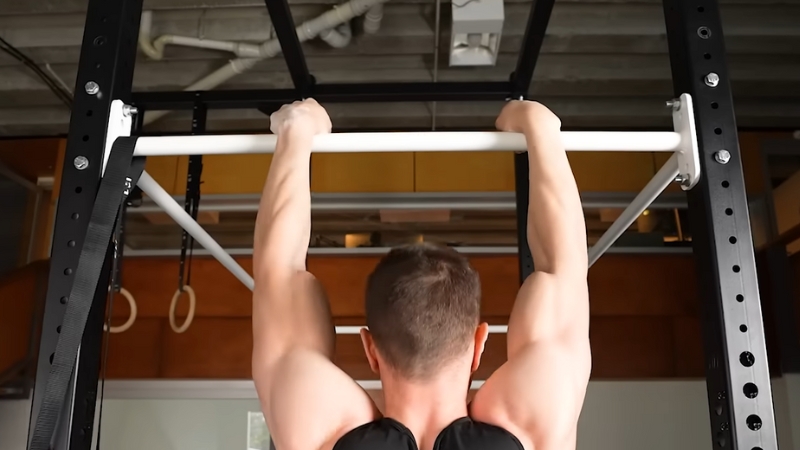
538,394
307,401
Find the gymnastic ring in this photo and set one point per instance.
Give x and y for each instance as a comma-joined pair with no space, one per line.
131,317
189,317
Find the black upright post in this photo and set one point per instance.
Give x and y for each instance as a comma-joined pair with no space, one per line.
105,73
739,391
522,188
535,30
283,24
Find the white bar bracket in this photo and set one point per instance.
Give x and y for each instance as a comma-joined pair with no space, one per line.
688,152
120,123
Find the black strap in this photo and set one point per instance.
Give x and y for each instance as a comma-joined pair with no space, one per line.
116,183
191,205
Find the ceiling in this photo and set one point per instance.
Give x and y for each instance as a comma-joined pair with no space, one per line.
604,63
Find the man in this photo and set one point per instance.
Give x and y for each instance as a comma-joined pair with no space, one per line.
425,338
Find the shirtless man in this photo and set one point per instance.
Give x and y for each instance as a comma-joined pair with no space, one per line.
425,337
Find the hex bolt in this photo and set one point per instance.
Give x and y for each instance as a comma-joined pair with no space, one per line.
683,180
92,88
674,103
128,110
712,79
80,162
722,156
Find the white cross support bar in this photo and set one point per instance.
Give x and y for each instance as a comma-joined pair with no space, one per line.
162,198
429,141
651,191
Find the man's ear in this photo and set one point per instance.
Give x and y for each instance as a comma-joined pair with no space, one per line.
370,350
481,334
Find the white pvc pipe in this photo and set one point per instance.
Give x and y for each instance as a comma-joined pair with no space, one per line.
162,198
493,329
338,37
372,19
309,29
402,142
240,49
651,191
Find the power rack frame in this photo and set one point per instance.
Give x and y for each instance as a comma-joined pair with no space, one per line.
739,393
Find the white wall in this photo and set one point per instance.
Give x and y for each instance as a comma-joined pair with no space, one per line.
789,421
14,416
650,414
657,415
175,424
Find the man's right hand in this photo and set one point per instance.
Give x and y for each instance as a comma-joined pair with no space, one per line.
526,116
307,117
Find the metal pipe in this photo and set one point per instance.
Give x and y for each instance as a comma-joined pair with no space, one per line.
436,32
200,389
356,329
157,193
651,191
363,251
473,201
656,141
320,251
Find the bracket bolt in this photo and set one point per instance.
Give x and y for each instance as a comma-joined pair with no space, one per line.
92,88
80,162
128,110
712,79
722,156
683,180
674,103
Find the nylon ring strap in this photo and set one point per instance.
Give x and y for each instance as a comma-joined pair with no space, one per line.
112,190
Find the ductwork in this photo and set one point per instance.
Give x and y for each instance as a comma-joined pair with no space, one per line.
333,18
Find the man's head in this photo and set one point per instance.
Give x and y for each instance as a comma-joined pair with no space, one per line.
423,312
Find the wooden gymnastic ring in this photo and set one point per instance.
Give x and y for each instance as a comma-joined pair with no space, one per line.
189,317
131,317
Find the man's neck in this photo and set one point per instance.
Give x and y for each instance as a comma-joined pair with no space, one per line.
426,408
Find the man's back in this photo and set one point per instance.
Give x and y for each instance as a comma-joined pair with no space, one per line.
425,338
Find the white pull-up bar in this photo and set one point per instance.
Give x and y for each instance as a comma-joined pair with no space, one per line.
388,142
585,141
682,142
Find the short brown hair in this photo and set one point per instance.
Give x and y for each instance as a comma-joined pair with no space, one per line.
423,306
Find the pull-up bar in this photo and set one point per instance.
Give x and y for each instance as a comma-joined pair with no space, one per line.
586,141
682,143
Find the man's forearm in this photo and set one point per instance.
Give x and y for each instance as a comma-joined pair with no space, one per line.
556,226
283,225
